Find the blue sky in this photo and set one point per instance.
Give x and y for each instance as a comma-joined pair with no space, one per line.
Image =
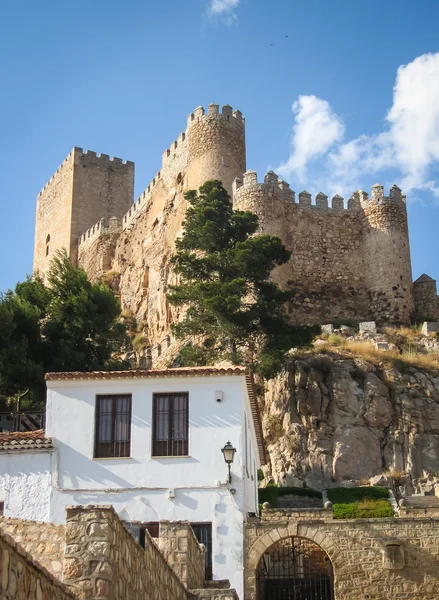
336,95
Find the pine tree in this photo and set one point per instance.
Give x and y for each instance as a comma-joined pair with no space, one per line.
225,269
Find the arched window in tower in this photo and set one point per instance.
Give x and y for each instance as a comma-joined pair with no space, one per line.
47,244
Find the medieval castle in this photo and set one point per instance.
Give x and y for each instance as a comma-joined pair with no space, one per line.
347,261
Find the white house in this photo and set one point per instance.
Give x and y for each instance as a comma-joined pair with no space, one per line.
150,443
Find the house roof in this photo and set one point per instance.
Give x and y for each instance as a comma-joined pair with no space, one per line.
178,372
144,373
25,440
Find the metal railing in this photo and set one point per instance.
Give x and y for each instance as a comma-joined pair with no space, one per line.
11,422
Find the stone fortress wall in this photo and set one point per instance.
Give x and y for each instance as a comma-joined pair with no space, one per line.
349,262
352,262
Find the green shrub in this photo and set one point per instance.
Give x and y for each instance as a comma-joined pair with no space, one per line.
343,495
272,492
371,509
360,502
140,342
335,340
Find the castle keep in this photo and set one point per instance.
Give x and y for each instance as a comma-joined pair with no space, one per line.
348,261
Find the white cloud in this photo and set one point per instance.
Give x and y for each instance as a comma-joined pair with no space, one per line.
316,129
408,145
224,9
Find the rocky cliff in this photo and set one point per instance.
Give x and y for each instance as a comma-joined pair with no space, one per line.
334,418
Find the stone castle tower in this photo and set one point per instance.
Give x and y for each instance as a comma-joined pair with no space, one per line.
347,262
84,189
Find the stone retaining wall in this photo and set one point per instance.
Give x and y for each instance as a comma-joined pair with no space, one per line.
371,558
184,554
24,579
43,541
102,559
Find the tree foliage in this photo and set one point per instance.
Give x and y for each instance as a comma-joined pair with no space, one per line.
69,325
225,285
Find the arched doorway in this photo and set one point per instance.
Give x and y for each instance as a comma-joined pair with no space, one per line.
295,568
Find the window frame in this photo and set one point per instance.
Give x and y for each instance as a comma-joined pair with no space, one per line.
157,445
208,544
113,442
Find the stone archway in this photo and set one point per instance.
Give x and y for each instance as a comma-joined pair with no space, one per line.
260,538
294,568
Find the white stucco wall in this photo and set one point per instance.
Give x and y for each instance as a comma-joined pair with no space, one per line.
26,483
138,486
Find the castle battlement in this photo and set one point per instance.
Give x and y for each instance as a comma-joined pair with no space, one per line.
273,186
227,114
103,226
88,154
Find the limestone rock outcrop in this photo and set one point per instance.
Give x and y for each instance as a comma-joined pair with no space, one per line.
332,420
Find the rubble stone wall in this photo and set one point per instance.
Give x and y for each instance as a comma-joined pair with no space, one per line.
43,541
24,579
184,554
103,560
371,558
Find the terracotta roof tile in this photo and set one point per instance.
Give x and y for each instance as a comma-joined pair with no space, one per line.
25,440
143,373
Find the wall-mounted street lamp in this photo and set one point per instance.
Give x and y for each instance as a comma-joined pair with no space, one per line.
229,454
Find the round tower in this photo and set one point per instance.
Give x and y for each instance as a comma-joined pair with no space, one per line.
216,146
266,200
387,263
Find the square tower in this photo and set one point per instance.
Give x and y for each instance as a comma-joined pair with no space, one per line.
85,189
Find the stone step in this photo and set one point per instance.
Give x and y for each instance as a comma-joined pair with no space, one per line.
215,594
217,584
419,502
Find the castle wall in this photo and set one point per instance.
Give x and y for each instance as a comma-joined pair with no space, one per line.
326,270
53,216
346,263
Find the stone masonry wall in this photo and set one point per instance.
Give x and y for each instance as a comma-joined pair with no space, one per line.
426,299
52,222
24,579
361,553
388,273
43,541
326,270
102,560
184,554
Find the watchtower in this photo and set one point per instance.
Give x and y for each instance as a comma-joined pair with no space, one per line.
216,146
86,188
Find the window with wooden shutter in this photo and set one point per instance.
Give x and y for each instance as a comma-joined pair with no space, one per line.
170,424
113,426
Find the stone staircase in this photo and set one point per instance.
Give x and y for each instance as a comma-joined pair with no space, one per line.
216,590
428,505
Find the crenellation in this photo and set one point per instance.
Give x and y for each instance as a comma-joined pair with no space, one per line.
337,202
250,178
288,194
272,181
213,110
321,200
377,193
305,199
